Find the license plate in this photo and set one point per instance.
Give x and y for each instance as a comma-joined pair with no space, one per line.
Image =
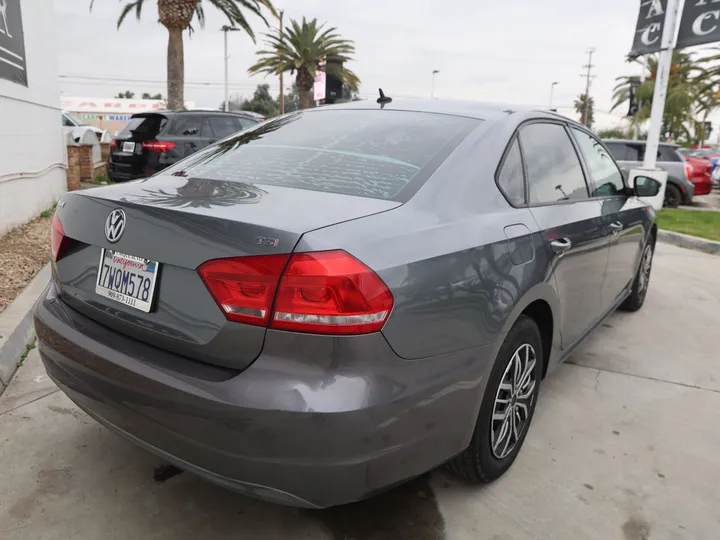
127,279
128,147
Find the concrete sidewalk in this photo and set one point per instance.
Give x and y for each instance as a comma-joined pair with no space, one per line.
624,446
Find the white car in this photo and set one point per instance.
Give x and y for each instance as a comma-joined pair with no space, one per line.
716,176
72,124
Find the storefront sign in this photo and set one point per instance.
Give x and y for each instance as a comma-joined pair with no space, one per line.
700,23
12,44
649,28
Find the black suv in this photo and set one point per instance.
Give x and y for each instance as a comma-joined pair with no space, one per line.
152,141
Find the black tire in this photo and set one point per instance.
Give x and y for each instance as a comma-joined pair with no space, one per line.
673,196
642,280
478,463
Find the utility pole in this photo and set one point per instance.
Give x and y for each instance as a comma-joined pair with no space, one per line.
588,77
282,96
225,29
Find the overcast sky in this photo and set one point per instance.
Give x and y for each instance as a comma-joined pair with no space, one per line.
508,51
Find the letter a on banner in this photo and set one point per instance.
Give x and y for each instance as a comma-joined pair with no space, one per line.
700,23
649,28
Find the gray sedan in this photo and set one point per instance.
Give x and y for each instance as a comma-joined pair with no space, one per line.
324,306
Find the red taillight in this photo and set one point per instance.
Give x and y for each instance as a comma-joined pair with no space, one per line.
688,170
158,146
244,287
328,292
58,240
113,144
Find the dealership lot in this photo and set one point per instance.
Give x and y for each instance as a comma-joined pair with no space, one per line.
624,445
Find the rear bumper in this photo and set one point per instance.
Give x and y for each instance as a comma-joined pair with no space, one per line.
703,186
316,421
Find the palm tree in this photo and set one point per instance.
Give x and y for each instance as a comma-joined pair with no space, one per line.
682,92
301,49
176,16
580,109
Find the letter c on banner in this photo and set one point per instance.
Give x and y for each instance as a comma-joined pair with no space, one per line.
645,38
697,26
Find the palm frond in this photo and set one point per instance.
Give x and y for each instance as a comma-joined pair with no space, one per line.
127,8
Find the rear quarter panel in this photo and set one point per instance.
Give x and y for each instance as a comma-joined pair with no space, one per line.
446,257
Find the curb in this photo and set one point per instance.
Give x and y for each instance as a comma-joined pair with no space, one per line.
16,326
689,242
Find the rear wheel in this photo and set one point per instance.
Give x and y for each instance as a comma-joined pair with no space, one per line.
507,407
639,289
673,196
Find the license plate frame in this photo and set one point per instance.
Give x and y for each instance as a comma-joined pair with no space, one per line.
128,146
127,289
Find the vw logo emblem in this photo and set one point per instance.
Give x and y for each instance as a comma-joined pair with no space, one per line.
115,225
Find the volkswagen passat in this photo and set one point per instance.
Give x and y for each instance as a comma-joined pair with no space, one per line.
337,300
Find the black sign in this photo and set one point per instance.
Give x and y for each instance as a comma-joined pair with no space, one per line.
12,45
649,29
700,23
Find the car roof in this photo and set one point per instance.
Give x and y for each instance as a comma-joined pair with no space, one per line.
472,109
625,141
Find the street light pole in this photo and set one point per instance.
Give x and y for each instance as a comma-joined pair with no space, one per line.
432,88
552,91
225,29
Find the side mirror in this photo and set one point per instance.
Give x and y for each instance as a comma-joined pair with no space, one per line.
646,187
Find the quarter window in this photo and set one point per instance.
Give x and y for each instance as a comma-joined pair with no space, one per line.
553,168
511,179
606,175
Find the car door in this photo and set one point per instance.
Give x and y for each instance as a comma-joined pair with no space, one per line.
572,224
187,133
624,216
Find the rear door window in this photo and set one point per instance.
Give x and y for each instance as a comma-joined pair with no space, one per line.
188,125
143,127
618,150
375,153
553,167
223,126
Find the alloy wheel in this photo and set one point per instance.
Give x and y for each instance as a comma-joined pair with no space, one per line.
513,401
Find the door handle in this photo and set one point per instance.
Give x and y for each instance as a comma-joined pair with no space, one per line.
561,245
616,227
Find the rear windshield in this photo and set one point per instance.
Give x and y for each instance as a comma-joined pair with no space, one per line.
144,127
370,153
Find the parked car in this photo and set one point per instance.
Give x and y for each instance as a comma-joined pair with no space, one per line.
630,154
340,299
72,124
701,175
154,140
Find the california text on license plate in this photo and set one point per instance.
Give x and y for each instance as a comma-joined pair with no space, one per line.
127,279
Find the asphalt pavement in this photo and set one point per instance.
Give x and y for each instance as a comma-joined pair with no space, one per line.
624,445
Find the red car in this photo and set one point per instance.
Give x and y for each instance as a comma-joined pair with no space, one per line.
700,174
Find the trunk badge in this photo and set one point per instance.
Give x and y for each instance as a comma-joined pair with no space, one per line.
115,225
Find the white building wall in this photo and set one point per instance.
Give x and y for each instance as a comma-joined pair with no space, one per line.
32,148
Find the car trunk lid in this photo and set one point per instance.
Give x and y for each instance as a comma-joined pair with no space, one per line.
181,223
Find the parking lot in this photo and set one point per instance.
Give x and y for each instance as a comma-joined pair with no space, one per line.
625,445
